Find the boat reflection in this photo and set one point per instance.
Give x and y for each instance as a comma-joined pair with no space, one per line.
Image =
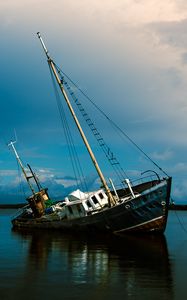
134,264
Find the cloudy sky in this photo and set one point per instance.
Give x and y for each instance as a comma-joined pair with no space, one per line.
129,56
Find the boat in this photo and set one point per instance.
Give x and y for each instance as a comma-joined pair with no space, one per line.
140,207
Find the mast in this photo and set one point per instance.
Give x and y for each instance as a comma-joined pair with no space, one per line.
54,70
21,165
35,178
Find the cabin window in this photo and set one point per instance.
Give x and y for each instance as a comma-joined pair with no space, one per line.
70,209
101,195
94,199
88,204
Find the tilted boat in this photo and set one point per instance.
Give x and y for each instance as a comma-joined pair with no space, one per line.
140,207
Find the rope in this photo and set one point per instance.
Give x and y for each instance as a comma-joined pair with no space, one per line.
77,170
181,224
112,122
108,153
22,191
120,173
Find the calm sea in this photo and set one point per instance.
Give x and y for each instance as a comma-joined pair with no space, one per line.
48,265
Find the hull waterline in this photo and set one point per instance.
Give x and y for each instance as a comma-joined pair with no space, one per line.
146,213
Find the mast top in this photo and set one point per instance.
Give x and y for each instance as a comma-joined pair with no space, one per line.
43,45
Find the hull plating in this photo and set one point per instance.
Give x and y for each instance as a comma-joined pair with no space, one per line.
146,213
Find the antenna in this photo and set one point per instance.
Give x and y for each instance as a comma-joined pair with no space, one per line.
15,134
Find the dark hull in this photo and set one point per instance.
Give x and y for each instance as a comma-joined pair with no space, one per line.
146,213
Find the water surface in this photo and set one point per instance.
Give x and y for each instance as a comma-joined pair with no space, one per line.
49,265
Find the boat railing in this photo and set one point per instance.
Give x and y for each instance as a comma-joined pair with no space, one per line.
20,211
138,185
144,179
141,180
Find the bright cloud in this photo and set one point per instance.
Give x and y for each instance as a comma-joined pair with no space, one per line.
162,156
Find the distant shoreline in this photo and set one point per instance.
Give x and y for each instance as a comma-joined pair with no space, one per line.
7,206
178,207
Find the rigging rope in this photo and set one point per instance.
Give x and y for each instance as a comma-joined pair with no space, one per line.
109,154
112,122
180,222
120,173
22,190
77,170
